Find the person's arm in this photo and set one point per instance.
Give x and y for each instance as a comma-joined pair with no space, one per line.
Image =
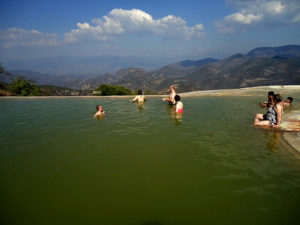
133,100
279,114
172,96
176,107
263,104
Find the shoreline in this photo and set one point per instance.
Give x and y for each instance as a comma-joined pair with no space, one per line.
248,91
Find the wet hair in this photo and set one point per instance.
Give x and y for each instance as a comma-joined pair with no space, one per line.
271,93
97,107
277,98
291,99
140,92
177,98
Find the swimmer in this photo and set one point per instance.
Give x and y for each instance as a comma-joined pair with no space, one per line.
171,98
273,116
179,104
270,101
140,97
287,102
99,112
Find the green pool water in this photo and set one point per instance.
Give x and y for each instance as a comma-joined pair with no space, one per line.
140,165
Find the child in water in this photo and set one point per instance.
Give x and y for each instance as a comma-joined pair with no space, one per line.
179,104
140,97
99,112
287,102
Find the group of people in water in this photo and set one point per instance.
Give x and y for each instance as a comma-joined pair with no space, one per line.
173,100
275,107
272,117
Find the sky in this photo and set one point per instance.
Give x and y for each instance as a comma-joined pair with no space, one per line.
187,29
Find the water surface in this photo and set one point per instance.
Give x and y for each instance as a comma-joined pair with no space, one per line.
142,165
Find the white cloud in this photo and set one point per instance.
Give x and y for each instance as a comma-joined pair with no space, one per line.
134,21
118,22
15,37
252,14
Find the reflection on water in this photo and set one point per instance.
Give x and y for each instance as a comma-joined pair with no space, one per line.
176,117
140,105
273,138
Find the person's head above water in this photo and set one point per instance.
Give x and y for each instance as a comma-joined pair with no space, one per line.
140,92
289,99
271,93
177,98
277,98
99,108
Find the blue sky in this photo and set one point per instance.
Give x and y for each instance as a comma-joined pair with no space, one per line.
182,29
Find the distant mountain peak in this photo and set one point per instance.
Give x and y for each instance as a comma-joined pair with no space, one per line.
286,51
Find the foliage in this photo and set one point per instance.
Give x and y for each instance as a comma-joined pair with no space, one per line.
23,87
113,90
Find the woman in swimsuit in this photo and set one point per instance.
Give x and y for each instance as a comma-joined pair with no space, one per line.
273,115
179,104
140,97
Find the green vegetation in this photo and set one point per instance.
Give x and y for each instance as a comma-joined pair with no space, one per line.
23,87
145,92
113,90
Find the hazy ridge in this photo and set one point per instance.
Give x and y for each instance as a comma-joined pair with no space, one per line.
261,66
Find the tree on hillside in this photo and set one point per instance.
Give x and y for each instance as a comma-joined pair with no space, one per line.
113,90
23,87
3,73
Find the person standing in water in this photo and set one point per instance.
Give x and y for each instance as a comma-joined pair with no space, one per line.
100,113
171,98
139,98
179,104
273,116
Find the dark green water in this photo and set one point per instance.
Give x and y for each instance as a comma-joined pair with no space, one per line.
142,166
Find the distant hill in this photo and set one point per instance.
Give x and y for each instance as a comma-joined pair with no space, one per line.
241,72
261,66
86,66
192,63
287,51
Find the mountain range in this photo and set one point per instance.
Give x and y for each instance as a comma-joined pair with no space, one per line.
85,66
260,66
